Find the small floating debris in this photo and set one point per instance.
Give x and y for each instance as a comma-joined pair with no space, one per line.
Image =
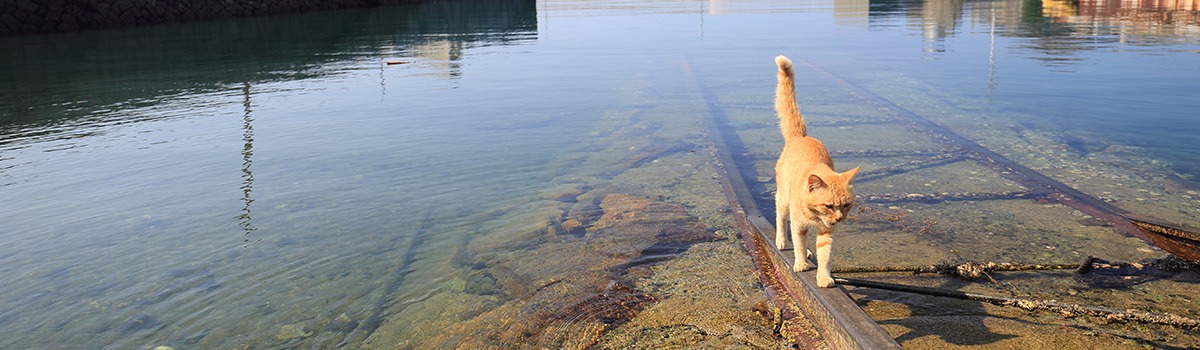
395,62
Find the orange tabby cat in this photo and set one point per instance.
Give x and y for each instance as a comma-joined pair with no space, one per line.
808,192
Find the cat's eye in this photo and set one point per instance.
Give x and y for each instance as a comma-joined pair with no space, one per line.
829,206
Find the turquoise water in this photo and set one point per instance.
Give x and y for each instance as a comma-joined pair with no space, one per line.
272,182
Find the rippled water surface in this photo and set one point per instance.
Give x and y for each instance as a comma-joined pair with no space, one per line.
414,176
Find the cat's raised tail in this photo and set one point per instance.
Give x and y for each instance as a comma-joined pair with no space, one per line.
790,120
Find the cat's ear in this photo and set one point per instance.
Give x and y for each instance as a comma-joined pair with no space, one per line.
815,182
849,175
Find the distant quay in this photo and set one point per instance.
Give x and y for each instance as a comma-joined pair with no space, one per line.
23,17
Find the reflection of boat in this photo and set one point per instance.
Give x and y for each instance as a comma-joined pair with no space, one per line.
1179,241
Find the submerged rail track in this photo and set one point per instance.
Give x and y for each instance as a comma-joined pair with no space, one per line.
1176,239
841,322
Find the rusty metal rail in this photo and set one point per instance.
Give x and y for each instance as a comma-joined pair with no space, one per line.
841,322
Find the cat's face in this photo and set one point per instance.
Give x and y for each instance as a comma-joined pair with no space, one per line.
830,196
831,212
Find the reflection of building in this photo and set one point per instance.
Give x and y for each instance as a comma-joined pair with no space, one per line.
443,31
441,55
851,13
1130,8
1059,8
1129,15
939,20
716,7
1042,20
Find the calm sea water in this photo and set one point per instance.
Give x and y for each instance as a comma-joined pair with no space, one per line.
229,182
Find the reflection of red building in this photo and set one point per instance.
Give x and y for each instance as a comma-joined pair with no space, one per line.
1128,17
1154,5
1159,11
1144,11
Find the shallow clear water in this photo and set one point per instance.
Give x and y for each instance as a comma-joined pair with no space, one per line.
273,182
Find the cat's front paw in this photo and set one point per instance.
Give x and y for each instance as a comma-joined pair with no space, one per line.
824,281
800,267
781,244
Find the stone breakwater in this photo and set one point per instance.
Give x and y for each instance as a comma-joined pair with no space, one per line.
18,17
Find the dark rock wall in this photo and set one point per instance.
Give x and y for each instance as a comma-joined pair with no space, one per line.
19,17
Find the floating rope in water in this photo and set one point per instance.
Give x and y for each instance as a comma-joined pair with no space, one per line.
969,270
1067,310
974,270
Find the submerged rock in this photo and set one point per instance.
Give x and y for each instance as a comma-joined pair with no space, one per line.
140,322
565,192
288,332
196,337
526,225
341,324
563,291
483,284
626,209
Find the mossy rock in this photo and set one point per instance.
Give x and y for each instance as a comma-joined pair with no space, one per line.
291,331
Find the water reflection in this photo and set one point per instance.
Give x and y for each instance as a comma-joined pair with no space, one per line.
478,178
58,83
117,162
247,175
1139,11
1060,27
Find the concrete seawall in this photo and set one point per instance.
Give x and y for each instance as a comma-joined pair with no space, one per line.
20,17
